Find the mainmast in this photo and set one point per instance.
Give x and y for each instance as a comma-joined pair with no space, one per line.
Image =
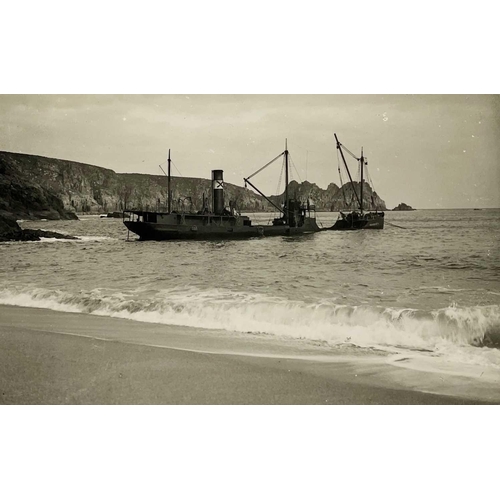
339,147
168,185
284,209
286,181
362,160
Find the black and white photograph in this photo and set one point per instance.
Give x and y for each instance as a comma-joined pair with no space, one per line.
250,249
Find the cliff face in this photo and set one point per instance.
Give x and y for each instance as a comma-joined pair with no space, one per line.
24,198
38,187
64,187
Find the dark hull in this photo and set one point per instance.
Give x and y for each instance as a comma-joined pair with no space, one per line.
162,232
371,221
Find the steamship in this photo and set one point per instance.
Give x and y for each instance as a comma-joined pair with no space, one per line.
219,221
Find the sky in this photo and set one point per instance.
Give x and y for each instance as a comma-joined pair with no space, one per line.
429,151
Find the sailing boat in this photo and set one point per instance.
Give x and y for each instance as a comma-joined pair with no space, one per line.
357,219
221,222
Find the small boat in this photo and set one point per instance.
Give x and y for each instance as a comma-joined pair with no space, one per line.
357,219
221,222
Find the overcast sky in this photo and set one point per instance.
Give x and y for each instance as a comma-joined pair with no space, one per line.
425,150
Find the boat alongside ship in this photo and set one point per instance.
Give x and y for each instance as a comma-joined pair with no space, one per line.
357,219
221,221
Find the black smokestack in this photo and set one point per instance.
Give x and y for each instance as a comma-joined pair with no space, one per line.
218,191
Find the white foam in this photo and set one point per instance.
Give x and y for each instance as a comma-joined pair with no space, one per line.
32,299
95,238
79,239
451,331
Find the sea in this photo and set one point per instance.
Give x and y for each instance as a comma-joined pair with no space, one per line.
427,284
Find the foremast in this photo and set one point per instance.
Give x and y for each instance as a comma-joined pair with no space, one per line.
168,174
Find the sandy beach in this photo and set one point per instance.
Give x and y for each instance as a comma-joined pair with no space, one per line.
50,357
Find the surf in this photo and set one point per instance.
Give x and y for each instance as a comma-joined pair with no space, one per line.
464,331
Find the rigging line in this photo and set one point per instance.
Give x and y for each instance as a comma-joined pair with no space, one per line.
307,157
400,227
293,165
347,151
263,195
371,184
278,187
341,180
340,175
370,180
176,168
280,179
265,166
369,187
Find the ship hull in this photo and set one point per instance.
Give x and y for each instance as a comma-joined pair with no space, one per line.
371,221
163,232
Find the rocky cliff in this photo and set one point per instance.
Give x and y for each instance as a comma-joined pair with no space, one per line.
38,187
24,198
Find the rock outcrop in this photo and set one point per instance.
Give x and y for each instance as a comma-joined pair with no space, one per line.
402,207
11,231
37,187
333,198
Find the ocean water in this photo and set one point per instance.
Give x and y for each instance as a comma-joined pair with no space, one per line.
429,283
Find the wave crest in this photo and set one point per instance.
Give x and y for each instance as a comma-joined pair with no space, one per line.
253,313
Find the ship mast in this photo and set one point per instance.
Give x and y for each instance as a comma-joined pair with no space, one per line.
339,147
286,181
362,160
247,181
168,185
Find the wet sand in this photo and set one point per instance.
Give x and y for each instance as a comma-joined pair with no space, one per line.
49,357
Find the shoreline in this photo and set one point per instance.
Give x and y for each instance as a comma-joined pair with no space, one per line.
50,357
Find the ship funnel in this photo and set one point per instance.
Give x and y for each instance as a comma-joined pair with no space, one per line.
218,191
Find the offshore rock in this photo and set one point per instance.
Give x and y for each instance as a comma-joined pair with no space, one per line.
402,207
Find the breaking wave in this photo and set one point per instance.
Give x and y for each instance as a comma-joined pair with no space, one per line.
369,326
79,239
